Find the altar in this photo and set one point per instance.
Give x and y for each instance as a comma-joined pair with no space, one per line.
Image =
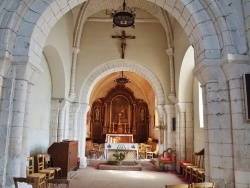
121,143
119,138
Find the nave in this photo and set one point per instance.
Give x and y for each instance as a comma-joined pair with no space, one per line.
149,177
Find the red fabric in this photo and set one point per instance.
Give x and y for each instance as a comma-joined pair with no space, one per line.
181,162
166,159
78,159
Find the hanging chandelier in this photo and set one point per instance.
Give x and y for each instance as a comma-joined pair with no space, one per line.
121,79
123,16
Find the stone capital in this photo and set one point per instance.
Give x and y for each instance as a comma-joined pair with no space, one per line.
170,51
76,50
207,71
234,65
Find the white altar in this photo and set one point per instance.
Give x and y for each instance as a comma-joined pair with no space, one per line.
130,148
121,143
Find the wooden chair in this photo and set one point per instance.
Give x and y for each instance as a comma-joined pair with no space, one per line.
203,185
148,152
29,181
187,168
56,169
167,157
201,167
39,178
178,186
57,181
50,173
200,176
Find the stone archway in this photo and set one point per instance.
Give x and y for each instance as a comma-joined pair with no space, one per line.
28,26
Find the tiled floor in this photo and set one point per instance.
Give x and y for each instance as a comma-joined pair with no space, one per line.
149,177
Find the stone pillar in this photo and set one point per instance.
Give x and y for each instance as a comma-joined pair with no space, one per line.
170,136
160,111
73,74
234,66
54,120
8,91
26,125
217,125
184,132
18,87
61,122
82,139
170,53
73,121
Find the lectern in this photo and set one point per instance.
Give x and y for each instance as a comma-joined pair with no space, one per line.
64,155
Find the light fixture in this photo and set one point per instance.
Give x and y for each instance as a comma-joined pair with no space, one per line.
121,79
123,16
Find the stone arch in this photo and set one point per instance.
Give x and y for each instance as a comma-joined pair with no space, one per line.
57,71
121,65
186,76
193,16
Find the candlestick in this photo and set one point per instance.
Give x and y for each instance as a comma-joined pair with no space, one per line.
125,131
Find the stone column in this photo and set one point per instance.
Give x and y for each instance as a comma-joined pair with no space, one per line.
170,53
61,122
184,132
54,120
72,94
217,125
18,88
82,139
74,120
26,125
170,136
8,91
160,111
236,141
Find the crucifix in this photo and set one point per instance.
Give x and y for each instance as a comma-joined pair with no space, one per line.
123,38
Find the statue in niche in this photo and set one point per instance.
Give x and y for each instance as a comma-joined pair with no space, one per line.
142,113
97,114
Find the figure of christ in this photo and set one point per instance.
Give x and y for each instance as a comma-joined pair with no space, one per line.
123,38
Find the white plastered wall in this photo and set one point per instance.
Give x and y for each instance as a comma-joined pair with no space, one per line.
40,113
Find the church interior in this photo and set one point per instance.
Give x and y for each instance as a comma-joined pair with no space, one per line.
174,77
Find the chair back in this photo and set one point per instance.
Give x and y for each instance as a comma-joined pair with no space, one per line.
40,162
18,180
30,167
169,153
178,186
203,185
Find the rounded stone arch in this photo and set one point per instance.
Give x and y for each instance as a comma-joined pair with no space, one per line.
116,66
186,78
57,71
38,17
148,6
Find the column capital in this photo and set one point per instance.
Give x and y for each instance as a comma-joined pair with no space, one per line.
76,50
235,65
170,51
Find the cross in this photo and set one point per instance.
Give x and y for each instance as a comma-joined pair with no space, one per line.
123,37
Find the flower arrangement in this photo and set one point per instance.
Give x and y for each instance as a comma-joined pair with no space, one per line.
119,155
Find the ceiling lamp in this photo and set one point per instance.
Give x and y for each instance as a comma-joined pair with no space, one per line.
123,16
121,79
